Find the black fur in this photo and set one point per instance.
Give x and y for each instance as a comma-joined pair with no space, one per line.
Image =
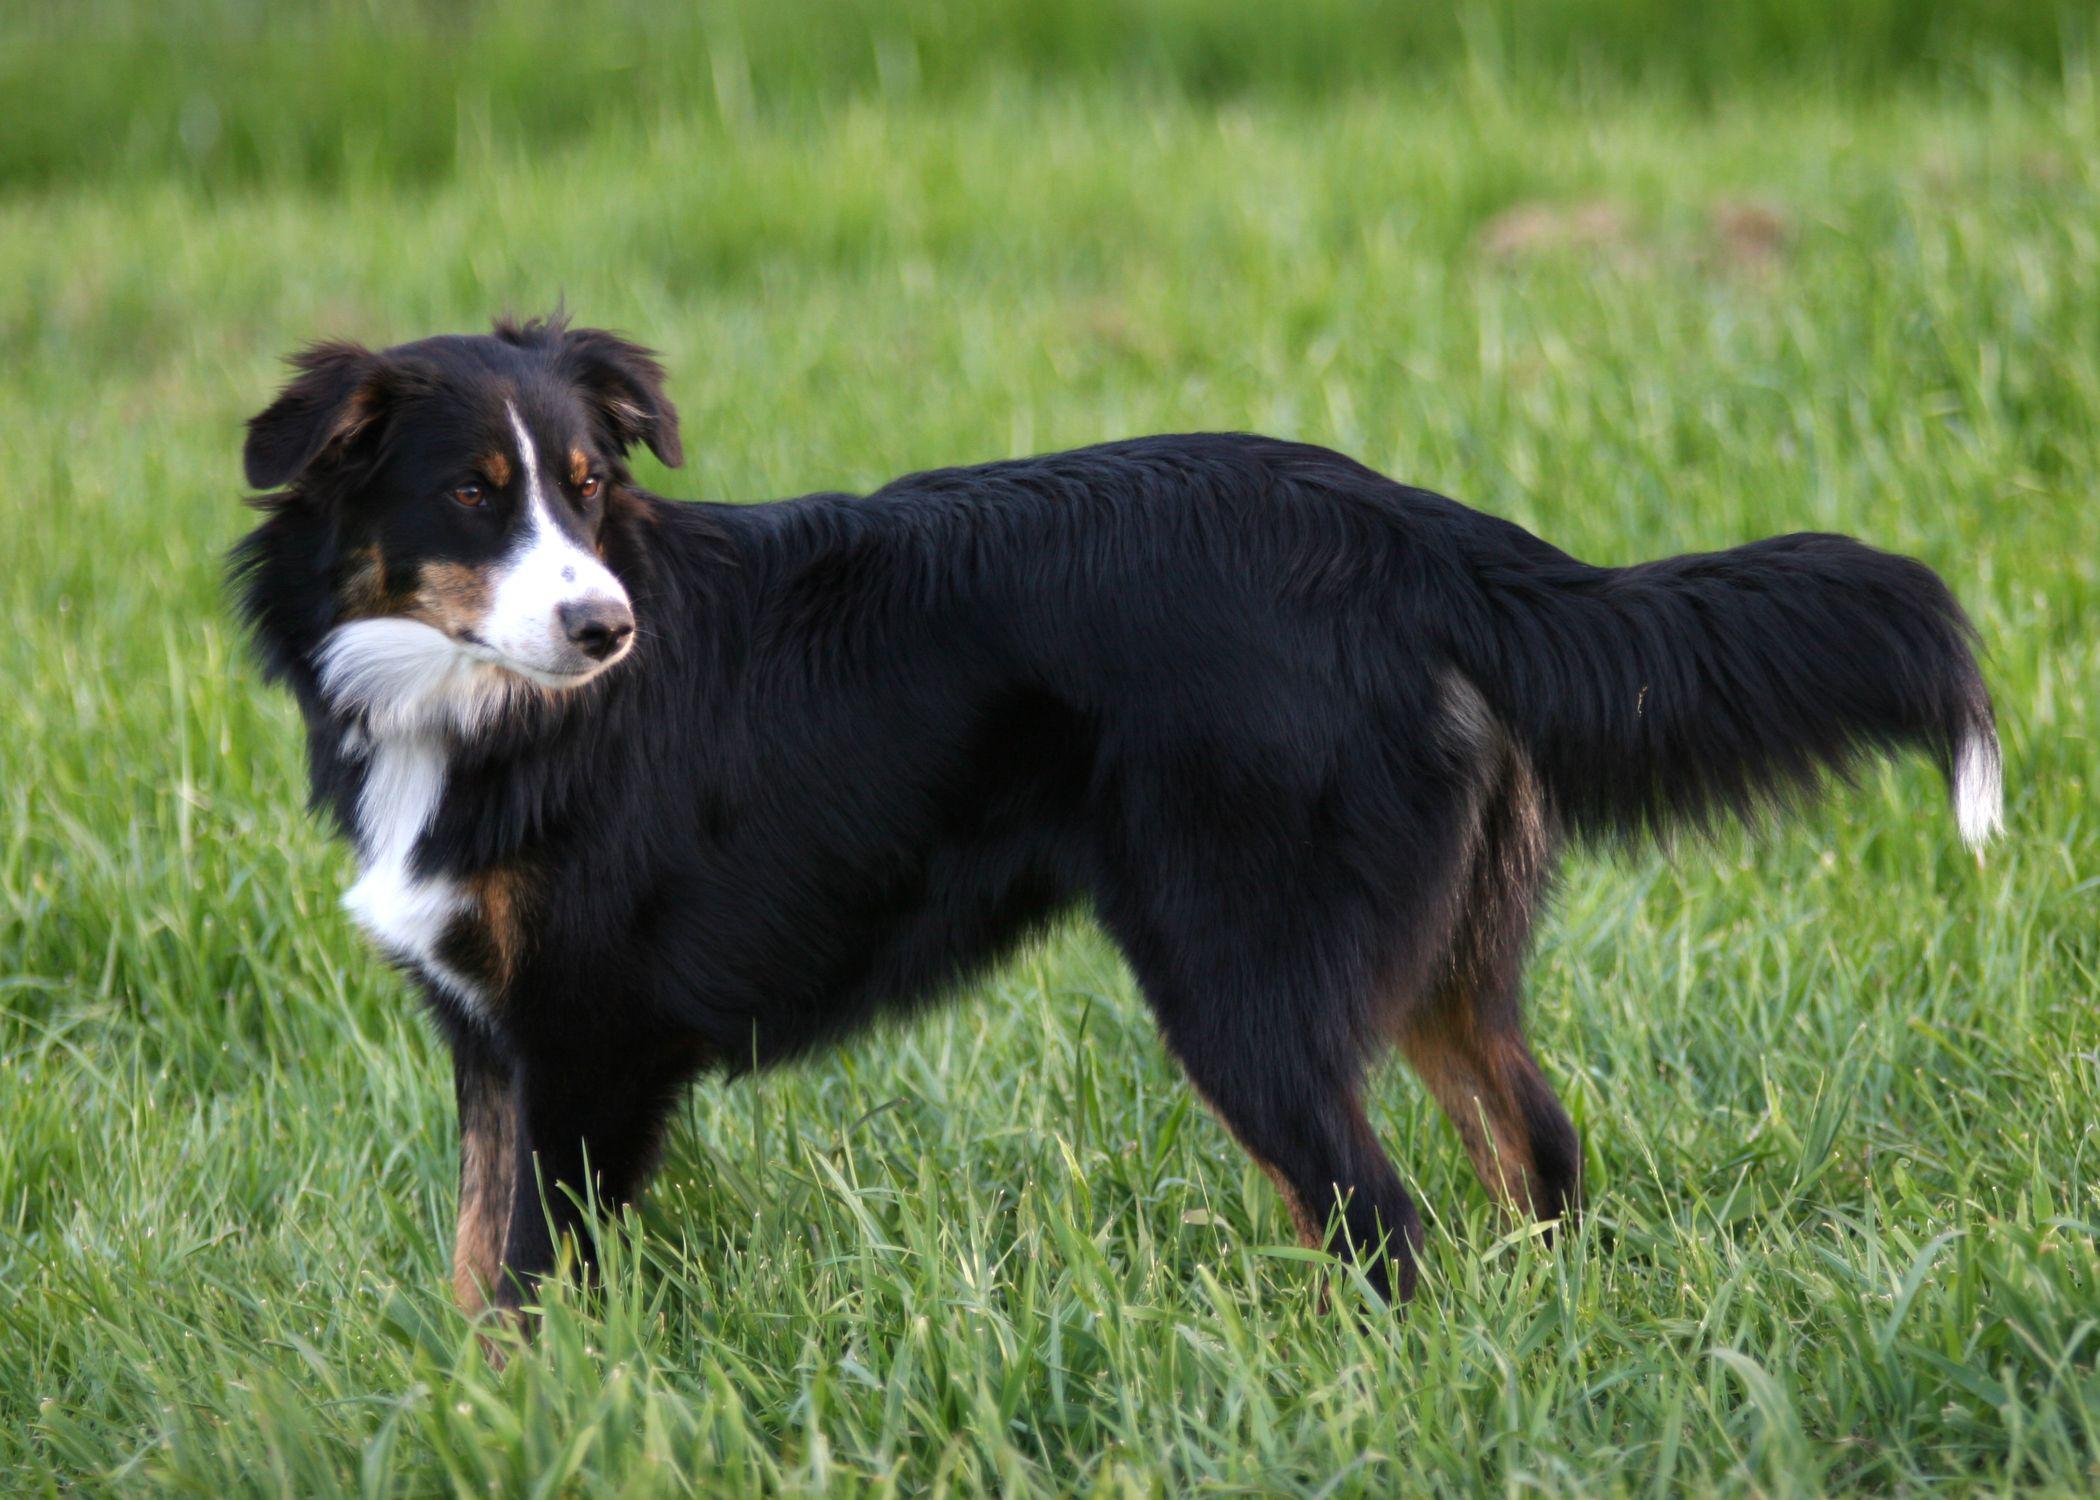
1303,740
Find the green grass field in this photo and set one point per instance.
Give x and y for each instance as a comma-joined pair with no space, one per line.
1838,1085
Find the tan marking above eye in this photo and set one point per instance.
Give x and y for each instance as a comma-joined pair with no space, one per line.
497,467
579,467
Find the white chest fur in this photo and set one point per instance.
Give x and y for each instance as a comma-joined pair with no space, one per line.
405,913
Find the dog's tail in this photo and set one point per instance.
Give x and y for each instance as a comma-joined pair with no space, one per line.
1724,683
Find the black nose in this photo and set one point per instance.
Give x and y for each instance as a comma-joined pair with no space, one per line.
597,626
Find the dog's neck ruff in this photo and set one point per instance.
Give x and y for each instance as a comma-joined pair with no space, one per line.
410,694
401,679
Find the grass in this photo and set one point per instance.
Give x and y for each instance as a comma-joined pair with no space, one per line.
235,91
1838,1086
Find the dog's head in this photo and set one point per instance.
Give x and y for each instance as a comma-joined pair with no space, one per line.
455,499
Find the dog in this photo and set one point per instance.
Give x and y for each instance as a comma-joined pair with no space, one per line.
642,788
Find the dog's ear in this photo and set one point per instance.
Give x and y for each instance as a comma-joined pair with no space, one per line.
625,386
336,395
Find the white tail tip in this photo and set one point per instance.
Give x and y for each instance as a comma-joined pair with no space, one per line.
1979,788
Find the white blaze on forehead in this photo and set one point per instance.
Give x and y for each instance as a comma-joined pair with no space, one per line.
545,570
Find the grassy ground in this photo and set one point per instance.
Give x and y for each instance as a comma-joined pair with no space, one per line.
1838,1087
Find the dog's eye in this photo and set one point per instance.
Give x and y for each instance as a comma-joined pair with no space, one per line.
590,487
472,496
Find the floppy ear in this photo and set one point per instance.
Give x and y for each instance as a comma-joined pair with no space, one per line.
335,396
625,384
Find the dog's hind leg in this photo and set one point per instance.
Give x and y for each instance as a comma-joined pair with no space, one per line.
1303,1123
1253,914
1269,1046
1463,1031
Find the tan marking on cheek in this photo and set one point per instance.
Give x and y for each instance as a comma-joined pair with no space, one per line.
361,586
497,467
579,466
452,598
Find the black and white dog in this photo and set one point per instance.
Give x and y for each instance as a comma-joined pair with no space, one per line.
640,788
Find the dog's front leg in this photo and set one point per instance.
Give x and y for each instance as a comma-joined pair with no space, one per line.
589,1117
485,1083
